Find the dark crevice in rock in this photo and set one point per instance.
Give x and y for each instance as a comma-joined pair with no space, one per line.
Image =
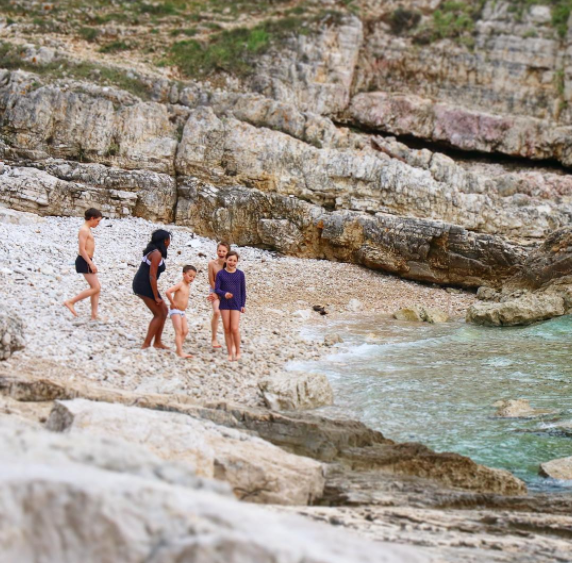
510,163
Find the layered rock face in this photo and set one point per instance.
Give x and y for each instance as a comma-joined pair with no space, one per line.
508,92
272,167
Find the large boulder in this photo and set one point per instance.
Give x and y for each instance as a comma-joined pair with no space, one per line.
11,334
518,311
257,470
296,391
460,127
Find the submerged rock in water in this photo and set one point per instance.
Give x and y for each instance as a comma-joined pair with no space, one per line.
333,338
518,311
518,408
557,468
421,314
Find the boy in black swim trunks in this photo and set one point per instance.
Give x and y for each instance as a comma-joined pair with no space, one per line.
84,263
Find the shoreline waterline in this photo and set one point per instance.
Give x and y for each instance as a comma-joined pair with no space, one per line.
436,384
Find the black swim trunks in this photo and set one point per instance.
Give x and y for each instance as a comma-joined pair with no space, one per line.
81,266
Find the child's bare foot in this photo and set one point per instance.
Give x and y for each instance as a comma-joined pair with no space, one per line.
238,356
161,346
231,358
70,306
145,345
185,356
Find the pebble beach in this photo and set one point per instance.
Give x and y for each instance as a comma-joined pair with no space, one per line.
37,274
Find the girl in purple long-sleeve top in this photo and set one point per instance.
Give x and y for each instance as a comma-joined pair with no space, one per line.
230,286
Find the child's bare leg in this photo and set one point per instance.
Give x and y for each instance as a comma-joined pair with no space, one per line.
94,283
235,332
94,290
185,325
225,314
214,323
179,323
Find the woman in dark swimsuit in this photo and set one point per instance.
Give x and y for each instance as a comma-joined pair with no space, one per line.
145,285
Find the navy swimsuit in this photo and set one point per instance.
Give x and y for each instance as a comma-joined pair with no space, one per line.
141,281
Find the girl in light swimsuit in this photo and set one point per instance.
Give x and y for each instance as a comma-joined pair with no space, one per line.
145,285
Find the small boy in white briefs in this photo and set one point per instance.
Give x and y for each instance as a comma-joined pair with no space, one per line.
179,302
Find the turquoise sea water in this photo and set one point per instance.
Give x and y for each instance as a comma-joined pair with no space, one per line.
436,384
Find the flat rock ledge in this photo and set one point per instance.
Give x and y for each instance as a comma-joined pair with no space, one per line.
256,470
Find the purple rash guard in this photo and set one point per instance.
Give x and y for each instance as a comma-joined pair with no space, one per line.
234,283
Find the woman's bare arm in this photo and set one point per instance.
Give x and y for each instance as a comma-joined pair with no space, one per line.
155,258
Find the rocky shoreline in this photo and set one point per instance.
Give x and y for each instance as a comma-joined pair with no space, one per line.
89,380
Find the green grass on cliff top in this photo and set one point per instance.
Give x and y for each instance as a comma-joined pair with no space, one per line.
215,41
232,51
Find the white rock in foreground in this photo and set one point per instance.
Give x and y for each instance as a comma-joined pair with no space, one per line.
257,470
23,442
94,516
296,391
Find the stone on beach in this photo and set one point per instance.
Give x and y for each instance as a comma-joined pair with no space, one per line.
11,334
257,470
291,390
417,313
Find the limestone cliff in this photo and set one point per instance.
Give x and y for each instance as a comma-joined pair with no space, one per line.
285,146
